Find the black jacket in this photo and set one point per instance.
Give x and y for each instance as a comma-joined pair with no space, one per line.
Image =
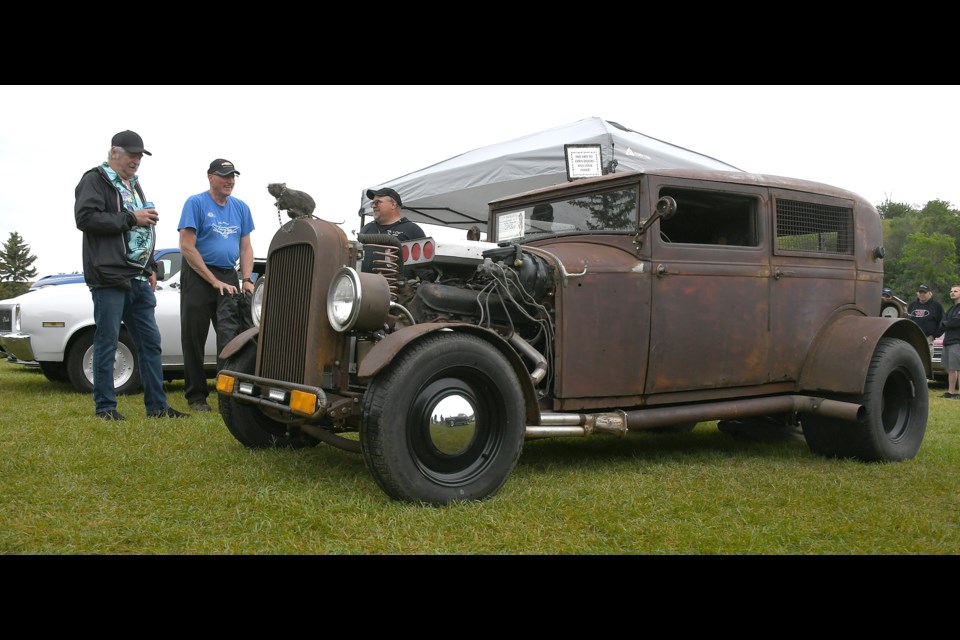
99,213
951,326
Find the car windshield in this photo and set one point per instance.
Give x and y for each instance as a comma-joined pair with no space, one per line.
614,210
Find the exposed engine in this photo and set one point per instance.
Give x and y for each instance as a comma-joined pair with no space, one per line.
503,288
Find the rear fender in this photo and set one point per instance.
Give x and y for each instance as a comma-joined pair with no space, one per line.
841,354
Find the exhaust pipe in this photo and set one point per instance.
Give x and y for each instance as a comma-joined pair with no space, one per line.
618,423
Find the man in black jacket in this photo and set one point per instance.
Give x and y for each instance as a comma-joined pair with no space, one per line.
927,313
118,266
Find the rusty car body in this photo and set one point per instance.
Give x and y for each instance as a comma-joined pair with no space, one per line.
651,300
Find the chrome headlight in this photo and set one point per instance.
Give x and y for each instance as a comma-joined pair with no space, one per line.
357,300
256,304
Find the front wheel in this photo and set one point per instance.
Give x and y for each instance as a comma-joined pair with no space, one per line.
408,444
895,399
248,424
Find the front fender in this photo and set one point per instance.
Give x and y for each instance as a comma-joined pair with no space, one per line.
841,354
383,352
237,343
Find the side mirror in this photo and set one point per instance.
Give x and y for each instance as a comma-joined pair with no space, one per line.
666,209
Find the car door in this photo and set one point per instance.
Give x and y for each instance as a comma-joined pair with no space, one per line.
710,292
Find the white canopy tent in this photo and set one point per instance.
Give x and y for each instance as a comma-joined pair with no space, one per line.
455,193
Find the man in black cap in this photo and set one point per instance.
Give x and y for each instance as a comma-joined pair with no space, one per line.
386,220
927,313
119,268
215,229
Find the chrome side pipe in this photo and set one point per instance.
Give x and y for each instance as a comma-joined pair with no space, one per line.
617,423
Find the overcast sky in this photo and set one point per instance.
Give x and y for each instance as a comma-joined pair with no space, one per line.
882,142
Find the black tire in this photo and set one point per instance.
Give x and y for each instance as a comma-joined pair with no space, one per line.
895,400
248,424
54,371
404,447
126,369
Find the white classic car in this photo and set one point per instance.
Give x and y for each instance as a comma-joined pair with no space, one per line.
52,327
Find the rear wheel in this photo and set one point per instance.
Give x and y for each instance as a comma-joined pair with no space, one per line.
407,443
895,401
247,423
126,371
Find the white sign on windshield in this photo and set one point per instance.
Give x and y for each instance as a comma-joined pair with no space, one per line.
510,225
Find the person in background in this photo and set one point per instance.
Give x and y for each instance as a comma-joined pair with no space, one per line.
950,359
386,220
927,313
215,229
118,266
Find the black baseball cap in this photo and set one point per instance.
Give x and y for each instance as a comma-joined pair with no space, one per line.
222,168
386,191
923,287
130,141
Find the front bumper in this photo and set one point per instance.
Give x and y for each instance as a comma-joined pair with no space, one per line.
290,399
18,345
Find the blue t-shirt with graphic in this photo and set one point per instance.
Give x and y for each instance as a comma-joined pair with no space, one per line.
219,227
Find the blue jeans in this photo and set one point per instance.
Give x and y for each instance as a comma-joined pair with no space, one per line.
136,308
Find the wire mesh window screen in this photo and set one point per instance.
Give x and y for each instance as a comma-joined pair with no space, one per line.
813,227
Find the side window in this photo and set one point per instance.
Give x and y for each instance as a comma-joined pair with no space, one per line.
814,228
711,217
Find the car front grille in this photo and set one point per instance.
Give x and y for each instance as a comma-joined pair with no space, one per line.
6,318
287,315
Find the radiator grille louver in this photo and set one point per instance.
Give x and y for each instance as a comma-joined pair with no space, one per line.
286,319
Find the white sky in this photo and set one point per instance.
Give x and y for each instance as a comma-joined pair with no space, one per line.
896,142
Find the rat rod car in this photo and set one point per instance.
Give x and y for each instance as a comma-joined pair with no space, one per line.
645,300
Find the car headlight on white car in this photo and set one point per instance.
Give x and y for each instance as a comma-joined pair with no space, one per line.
357,301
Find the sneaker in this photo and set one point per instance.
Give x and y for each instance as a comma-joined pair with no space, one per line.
200,405
169,412
111,414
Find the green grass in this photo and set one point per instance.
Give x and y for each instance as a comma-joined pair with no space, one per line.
72,485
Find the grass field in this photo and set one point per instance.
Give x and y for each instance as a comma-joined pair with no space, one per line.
73,485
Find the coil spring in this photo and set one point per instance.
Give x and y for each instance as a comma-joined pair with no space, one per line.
386,261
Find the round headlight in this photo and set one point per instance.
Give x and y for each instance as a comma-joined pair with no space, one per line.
256,305
343,299
357,300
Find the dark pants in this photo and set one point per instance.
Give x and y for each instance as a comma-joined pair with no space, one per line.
136,307
198,310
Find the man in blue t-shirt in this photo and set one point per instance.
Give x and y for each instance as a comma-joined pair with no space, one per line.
215,232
